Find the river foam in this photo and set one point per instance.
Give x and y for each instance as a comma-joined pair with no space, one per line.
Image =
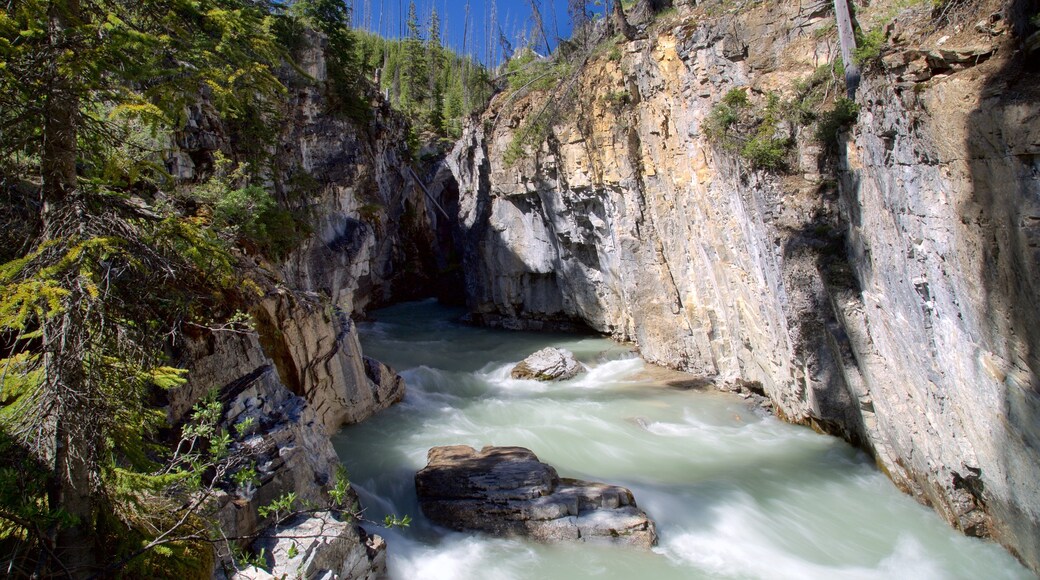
735,494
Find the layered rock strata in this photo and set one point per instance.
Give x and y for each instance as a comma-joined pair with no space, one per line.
299,372
886,297
288,446
507,491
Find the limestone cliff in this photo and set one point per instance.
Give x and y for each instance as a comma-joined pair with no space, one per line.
885,293
299,370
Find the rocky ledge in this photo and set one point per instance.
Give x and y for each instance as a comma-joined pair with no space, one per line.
548,364
318,545
507,491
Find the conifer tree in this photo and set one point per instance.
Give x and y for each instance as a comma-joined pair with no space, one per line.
414,77
85,304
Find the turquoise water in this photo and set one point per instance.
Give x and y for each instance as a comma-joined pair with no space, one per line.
735,493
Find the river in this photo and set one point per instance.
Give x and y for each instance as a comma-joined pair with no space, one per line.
735,493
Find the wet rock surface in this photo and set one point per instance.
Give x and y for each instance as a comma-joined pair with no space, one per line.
548,364
507,491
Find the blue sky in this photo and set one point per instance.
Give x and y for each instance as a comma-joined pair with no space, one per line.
513,16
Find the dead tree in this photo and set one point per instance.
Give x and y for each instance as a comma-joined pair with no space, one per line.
847,40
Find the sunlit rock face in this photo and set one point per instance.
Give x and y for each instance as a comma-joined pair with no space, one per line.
884,292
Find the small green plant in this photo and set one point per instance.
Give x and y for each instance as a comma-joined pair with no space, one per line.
868,46
766,152
246,478
245,427
843,115
617,99
531,134
392,521
338,493
279,507
736,98
248,213
725,114
293,551
244,559
751,132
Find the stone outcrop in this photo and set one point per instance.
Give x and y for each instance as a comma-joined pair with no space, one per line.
320,545
288,445
300,373
507,491
548,364
883,296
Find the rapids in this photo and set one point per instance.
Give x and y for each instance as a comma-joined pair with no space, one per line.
735,493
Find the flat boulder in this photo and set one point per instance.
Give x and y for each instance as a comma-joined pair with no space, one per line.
548,364
507,491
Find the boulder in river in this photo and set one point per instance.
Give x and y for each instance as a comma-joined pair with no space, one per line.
507,491
548,364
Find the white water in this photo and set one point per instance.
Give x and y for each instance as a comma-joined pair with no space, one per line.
735,494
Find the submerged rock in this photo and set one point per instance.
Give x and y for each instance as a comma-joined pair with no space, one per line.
507,491
548,364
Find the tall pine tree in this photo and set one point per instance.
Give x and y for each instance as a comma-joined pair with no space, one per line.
81,310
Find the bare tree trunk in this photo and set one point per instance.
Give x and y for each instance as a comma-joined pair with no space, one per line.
847,40
536,14
621,22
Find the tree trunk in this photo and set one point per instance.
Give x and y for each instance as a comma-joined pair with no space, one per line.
621,22
847,40
66,440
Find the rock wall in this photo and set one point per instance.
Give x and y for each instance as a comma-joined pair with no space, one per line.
369,243
289,446
299,371
886,297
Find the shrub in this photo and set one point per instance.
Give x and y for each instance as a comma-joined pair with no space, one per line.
843,115
736,98
766,152
528,70
249,214
736,125
868,46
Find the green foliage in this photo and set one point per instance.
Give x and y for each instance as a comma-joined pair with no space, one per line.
736,98
811,93
244,558
868,46
91,95
527,71
842,116
752,132
392,521
340,487
332,18
766,152
432,85
247,213
534,131
279,507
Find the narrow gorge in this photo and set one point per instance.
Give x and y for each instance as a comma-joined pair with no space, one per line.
694,187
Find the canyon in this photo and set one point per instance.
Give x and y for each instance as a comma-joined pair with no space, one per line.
881,288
